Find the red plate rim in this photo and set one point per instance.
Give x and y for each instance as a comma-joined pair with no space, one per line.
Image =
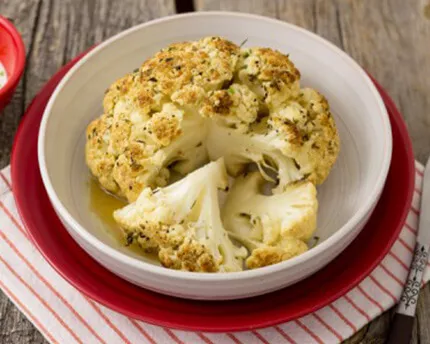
80,270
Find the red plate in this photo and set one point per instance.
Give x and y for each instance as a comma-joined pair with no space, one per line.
346,271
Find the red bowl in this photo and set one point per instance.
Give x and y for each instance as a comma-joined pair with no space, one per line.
12,57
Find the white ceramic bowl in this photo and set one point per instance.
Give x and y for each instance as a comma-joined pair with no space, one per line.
346,199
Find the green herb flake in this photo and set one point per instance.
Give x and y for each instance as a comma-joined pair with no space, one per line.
244,42
230,90
316,240
129,239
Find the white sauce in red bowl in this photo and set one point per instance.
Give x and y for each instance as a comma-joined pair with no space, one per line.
3,75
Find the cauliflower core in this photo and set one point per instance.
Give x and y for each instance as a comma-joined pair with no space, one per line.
298,141
275,227
199,101
182,223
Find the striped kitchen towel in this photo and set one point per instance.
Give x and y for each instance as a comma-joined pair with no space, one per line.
64,315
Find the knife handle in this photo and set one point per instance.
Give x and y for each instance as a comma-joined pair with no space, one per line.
401,329
403,321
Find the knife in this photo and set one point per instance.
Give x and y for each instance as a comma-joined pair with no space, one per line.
403,320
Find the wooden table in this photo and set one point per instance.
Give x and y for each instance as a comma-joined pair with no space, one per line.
390,38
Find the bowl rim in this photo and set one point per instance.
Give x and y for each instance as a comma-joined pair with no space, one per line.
20,55
223,276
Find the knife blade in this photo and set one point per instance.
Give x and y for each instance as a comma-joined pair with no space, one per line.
403,321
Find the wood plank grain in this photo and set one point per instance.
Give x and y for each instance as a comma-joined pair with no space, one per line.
54,31
390,39
15,328
184,6
422,333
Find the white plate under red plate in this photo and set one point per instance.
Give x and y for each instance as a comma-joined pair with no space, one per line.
307,296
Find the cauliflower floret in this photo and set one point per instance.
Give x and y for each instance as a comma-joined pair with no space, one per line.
239,149
182,223
150,147
100,162
309,134
189,98
207,63
237,107
273,227
270,74
299,141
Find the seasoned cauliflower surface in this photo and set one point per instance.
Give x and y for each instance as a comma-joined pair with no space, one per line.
211,100
202,100
151,117
270,74
273,227
182,223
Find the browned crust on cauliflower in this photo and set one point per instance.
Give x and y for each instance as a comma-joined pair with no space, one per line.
165,128
268,255
236,106
310,131
174,248
270,74
100,162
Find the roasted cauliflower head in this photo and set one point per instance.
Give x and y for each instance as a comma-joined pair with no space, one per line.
211,100
198,101
273,227
182,223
